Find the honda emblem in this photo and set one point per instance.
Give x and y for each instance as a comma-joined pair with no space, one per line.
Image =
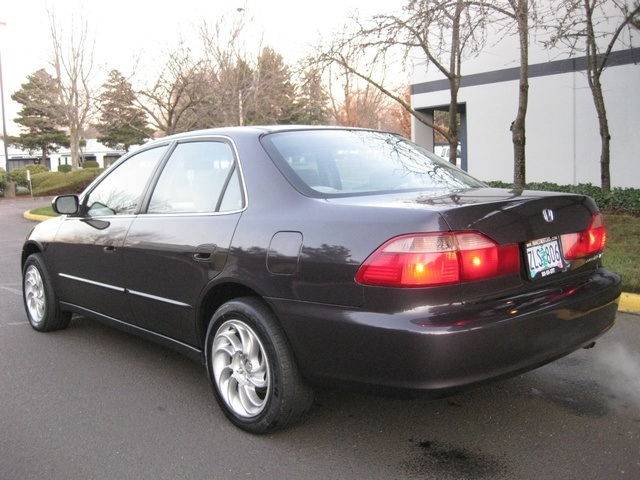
548,215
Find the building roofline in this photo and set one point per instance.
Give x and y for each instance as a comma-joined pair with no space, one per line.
557,67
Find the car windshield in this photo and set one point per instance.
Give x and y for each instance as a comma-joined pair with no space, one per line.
328,162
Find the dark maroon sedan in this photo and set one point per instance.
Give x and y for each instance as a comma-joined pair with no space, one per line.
286,257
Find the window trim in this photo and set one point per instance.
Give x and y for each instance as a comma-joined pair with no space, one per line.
152,184
86,195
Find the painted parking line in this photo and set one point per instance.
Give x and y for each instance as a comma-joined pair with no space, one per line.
12,289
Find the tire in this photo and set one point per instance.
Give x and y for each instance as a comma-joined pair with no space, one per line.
40,301
253,374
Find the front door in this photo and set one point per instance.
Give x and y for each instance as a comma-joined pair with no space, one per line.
87,252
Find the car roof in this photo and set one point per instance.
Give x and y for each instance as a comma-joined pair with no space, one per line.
256,129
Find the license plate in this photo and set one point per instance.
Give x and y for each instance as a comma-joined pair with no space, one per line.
544,257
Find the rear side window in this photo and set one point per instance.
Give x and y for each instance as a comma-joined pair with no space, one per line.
199,177
120,192
349,162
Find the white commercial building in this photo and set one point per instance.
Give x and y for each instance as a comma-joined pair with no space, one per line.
563,140
93,150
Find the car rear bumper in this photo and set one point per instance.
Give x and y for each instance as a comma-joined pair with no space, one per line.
439,350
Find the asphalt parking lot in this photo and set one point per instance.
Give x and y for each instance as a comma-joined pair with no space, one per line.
93,402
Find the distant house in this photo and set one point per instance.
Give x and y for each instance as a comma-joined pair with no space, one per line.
93,150
563,142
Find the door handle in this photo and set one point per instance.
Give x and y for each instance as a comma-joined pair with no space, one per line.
109,249
204,253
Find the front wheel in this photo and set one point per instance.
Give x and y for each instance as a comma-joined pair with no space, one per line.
253,373
40,301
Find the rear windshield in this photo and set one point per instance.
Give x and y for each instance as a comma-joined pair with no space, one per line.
350,162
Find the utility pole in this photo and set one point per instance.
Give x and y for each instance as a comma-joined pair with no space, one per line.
4,122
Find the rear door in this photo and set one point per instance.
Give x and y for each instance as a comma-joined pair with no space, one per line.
181,242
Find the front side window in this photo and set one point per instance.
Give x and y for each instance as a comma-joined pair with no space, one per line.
120,192
199,177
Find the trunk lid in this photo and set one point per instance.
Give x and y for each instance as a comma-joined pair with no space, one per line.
511,216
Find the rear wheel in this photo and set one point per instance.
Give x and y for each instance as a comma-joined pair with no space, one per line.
40,301
253,373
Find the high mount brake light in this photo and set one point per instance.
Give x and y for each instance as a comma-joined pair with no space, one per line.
423,260
587,242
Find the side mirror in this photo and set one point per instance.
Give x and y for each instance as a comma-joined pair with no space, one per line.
66,204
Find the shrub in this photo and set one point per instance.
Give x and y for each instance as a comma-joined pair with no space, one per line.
65,168
19,175
4,178
58,183
39,179
622,201
37,168
90,164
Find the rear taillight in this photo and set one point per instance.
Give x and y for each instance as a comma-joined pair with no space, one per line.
438,259
587,242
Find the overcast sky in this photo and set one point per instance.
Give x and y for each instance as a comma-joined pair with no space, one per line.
126,28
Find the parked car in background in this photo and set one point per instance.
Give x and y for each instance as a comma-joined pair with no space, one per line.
286,258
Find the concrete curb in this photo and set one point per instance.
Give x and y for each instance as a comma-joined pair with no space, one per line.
37,218
629,302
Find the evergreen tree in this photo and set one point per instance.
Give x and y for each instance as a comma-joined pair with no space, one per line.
121,124
236,91
311,100
272,92
40,115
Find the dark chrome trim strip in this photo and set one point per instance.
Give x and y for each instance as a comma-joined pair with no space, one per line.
159,299
91,282
124,290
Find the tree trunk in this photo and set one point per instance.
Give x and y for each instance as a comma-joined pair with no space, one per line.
454,134
605,135
75,149
454,84
594,70
73,64
518,130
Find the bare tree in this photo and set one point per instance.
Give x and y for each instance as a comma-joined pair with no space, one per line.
352,101
518,13
72,60
219,82
594,27
179,87
249,88
401,117
190,90
226,59
445,31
